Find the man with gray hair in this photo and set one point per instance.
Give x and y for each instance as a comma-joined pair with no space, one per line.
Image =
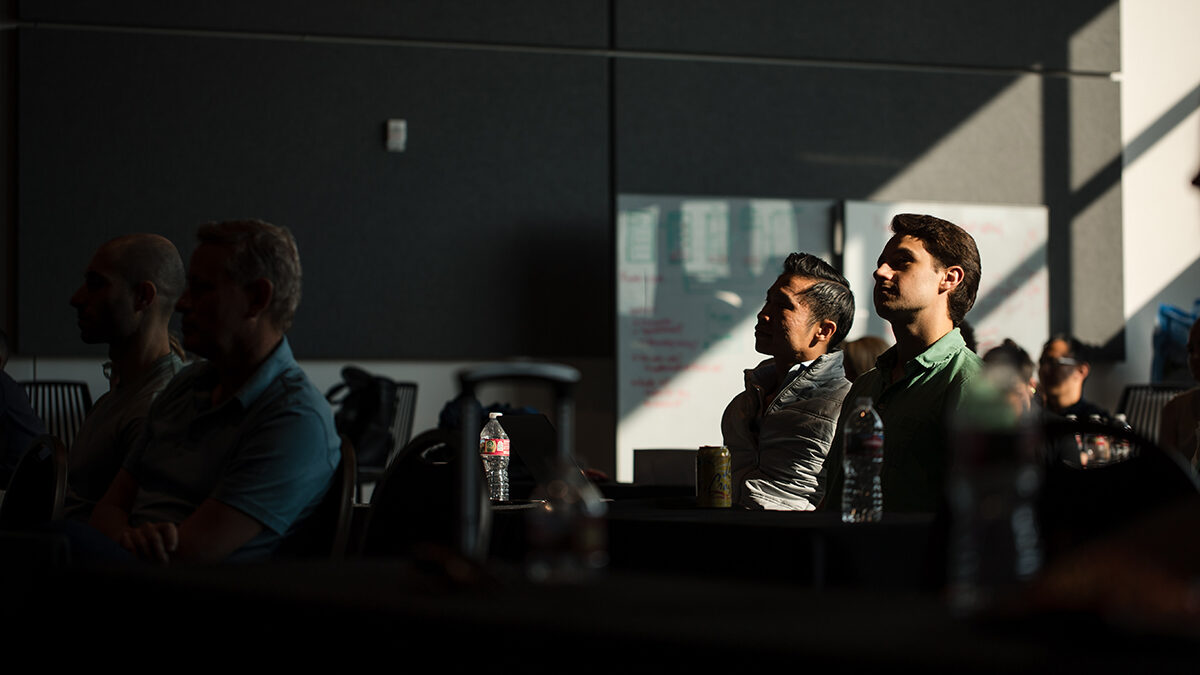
128,294
238,449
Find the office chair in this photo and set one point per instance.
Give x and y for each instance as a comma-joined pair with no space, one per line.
376,413
38,487
414,504
327,531
61,404
1142,405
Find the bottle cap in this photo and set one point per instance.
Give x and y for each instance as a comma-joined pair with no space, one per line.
494,415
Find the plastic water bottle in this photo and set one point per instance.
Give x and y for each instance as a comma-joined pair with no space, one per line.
1097,446
862,494
494,450
1121,447
995,543
1080,458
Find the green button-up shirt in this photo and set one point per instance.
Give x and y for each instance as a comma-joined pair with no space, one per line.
914,409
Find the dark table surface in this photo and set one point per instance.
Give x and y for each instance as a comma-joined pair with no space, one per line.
686,587
670,534
453,613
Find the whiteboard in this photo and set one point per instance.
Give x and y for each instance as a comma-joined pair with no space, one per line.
1014,292
692,273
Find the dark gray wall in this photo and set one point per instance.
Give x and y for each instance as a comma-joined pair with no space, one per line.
526,119
561,23
501,192
8,172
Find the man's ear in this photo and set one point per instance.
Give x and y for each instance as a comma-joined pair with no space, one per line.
825,328
951,277
1084,369
144,295
259,293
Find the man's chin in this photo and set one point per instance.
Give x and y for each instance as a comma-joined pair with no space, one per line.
763,347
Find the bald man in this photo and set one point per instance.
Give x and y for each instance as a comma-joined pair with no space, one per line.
129,292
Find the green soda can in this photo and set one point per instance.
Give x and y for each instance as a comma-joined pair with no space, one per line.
713,477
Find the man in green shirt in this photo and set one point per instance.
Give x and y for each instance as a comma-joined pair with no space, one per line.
925,283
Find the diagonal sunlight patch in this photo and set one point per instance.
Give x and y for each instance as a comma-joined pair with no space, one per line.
691,277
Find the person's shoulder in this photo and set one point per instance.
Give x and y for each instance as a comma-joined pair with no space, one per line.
150,388
291,393
1184,398
966,364
9,387
184,382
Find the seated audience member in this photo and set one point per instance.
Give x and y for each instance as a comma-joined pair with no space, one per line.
779,429
1011,354
1180,428
19,424
128,294
925,283
1062,370
861,354
241,448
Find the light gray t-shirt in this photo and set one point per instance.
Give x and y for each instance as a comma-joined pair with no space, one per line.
109,433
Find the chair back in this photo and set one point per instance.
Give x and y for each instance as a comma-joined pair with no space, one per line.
376,413
327,531
38,487
1078,504
1142,405
406,408
414,503
61,404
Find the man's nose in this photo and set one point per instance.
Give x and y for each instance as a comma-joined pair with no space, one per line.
76,298
883,271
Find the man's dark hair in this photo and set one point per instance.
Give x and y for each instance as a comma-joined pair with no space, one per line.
3,349
829,298
1010,354
1077,350
950,246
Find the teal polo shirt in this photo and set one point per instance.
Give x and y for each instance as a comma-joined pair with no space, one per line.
269,451
915,410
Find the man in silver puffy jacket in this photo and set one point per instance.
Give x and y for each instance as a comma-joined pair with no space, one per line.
779,429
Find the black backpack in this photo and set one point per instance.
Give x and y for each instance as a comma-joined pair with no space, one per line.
365,411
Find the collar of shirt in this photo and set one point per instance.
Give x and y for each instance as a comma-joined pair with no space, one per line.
945,348
276,363
794,372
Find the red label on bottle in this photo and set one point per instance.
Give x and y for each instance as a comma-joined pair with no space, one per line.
494,446
866,445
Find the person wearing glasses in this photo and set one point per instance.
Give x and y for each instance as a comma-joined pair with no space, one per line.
1062,370
126,300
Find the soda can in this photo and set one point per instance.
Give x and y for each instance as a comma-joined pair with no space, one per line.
713,477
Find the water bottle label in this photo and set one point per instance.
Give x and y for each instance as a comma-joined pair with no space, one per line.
494,446
866,445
